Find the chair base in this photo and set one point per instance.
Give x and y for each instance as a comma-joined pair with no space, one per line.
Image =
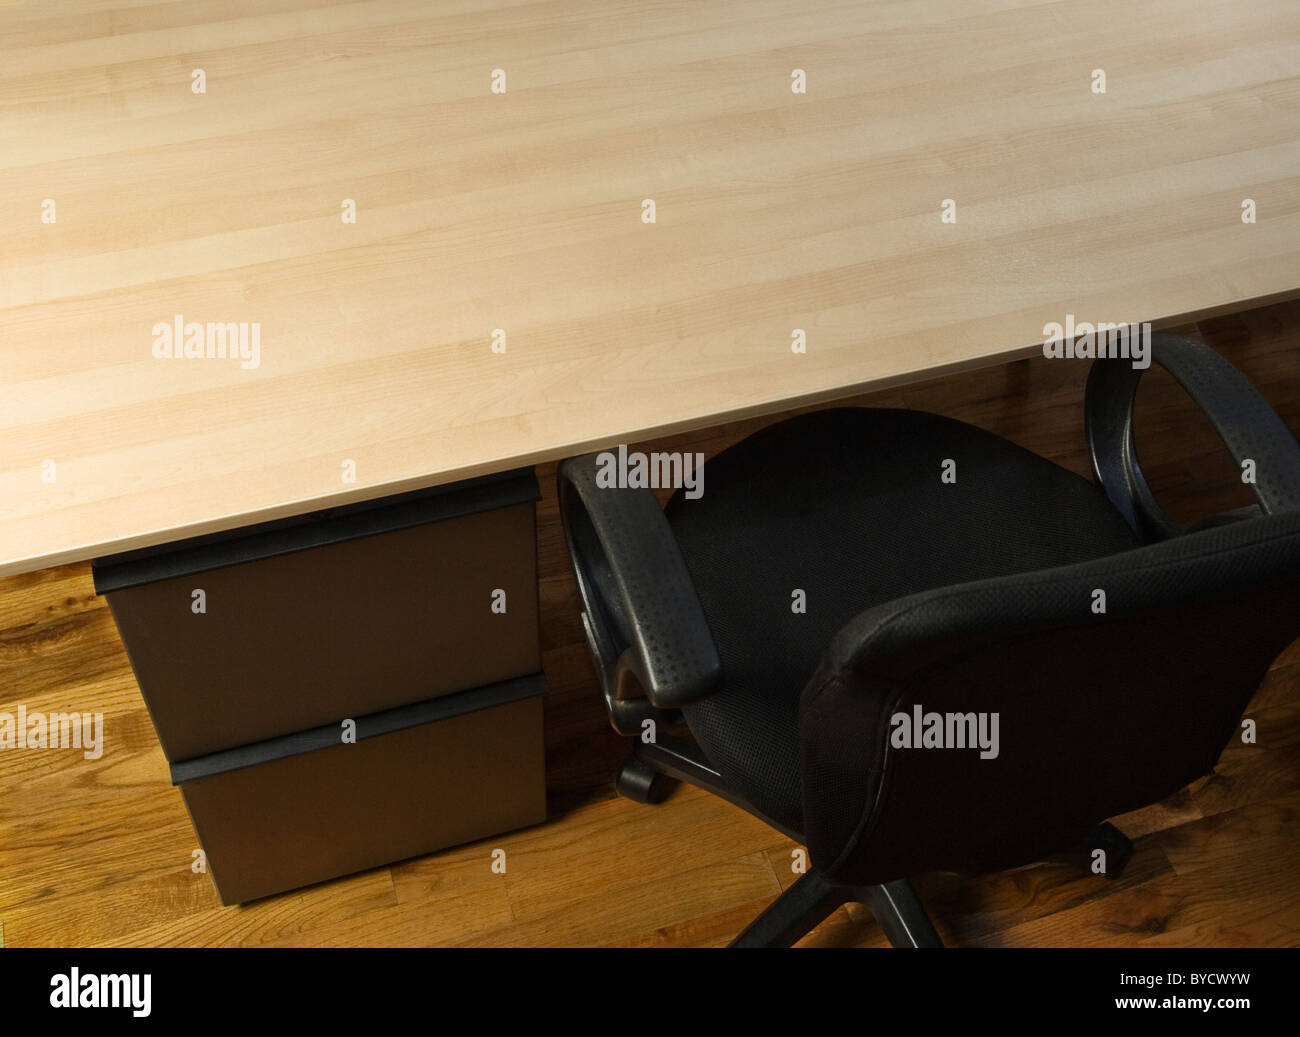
806,904
895,905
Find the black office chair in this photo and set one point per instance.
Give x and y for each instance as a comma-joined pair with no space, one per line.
943,567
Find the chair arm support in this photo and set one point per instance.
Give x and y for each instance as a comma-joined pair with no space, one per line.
1249,427
642,614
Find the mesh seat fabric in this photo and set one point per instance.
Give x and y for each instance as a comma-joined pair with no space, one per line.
850,507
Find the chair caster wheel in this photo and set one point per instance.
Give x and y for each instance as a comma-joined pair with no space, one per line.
1117,846
640,782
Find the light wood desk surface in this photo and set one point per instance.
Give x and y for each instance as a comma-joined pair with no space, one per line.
523,211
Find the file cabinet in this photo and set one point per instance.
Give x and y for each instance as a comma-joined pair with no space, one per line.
410,623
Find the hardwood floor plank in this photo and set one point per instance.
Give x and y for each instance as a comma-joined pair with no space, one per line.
616,845
292,919
1235,872
658,899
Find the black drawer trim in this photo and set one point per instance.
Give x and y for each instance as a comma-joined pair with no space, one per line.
386,722
317,529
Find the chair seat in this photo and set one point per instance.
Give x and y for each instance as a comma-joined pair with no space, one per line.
849,507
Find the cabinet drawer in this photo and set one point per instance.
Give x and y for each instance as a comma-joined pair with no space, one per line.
339,614
305,808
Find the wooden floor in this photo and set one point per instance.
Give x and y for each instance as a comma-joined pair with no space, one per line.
100,852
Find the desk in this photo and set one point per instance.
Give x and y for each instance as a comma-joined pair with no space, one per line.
522,211
434,223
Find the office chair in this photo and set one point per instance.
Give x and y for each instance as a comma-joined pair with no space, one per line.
849,568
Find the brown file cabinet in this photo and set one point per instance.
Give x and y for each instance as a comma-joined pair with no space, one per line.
414,617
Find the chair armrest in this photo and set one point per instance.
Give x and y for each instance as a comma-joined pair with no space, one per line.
642,614
1248,426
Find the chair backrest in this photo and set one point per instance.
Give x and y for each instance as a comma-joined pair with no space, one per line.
1088,690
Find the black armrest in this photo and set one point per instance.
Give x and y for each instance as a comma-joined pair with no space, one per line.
641,611
1249,427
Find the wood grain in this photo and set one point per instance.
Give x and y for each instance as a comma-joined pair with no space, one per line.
522,210
99,852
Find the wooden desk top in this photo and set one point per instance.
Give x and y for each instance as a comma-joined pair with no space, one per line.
477,210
